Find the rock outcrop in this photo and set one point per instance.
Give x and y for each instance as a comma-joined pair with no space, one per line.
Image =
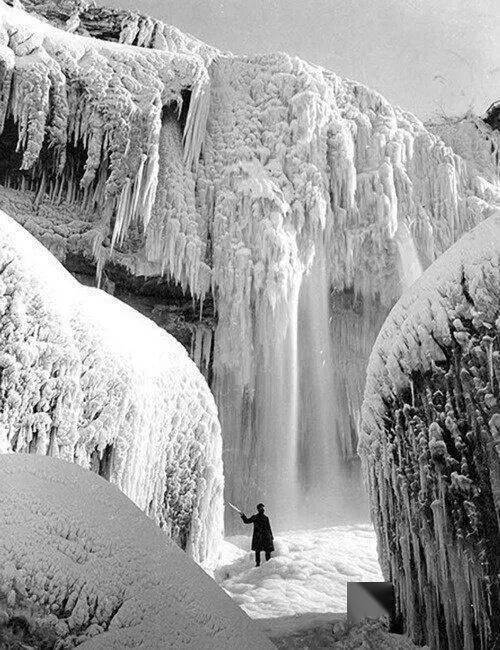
431,446
85,378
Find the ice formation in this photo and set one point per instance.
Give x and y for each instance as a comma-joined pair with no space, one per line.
80,561
263,183
85,378
430,445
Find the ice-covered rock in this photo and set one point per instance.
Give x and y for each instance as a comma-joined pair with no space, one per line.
430,445
87,379
81,563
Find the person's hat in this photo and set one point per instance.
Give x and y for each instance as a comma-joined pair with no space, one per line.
260,505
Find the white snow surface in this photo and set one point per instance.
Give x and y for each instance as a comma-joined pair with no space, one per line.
307,573
80,555
86,378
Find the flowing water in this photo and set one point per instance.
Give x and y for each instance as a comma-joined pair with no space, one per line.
281,444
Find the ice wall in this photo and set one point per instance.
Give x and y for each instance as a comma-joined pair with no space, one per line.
320,187
430,449
299,170
85,378
100,577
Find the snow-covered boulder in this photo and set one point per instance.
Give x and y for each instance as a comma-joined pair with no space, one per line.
82,565
86,378
430,445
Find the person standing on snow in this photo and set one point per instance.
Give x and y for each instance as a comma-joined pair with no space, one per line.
262,539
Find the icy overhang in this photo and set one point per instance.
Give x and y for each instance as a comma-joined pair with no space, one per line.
62,88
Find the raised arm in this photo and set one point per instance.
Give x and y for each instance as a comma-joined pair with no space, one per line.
247,520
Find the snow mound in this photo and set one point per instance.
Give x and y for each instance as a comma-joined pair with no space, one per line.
307,573
74,549
430,445
85,378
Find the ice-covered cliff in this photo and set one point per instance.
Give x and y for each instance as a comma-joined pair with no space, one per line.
80,565
430,445
85,378
294,204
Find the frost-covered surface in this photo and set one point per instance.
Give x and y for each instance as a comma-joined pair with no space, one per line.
430,445
315,631
64,91
98,572
306,183
473,140
86,378
307,573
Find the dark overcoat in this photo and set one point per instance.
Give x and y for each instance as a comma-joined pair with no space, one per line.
262,538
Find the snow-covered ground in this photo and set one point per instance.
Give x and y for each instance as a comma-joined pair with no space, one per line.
308,572
80,563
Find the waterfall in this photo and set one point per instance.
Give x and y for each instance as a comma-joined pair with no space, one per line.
260,450
330,487
282,445
410,268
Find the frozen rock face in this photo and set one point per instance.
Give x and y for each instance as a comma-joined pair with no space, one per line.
87,379
472,139
430,445
86,567
260,185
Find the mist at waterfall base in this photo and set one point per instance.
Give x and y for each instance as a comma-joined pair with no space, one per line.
291,458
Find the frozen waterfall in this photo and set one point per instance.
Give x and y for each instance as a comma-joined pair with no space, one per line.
330,485
297,204
286,452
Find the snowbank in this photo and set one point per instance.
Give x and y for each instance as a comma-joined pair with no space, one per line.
78,556
308,572
430,445
85,378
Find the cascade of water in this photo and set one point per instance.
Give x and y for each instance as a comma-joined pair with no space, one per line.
410,267
330,488
276,415
260,456
285,432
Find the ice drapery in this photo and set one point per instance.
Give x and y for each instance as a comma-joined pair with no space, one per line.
303,176
429,445
101,576
85,378
71,97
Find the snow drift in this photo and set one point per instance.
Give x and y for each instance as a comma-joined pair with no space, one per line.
79,560
430,445
263,183
87,379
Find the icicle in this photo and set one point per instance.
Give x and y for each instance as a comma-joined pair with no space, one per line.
145,35
129,28
7,61
196,120
41,192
